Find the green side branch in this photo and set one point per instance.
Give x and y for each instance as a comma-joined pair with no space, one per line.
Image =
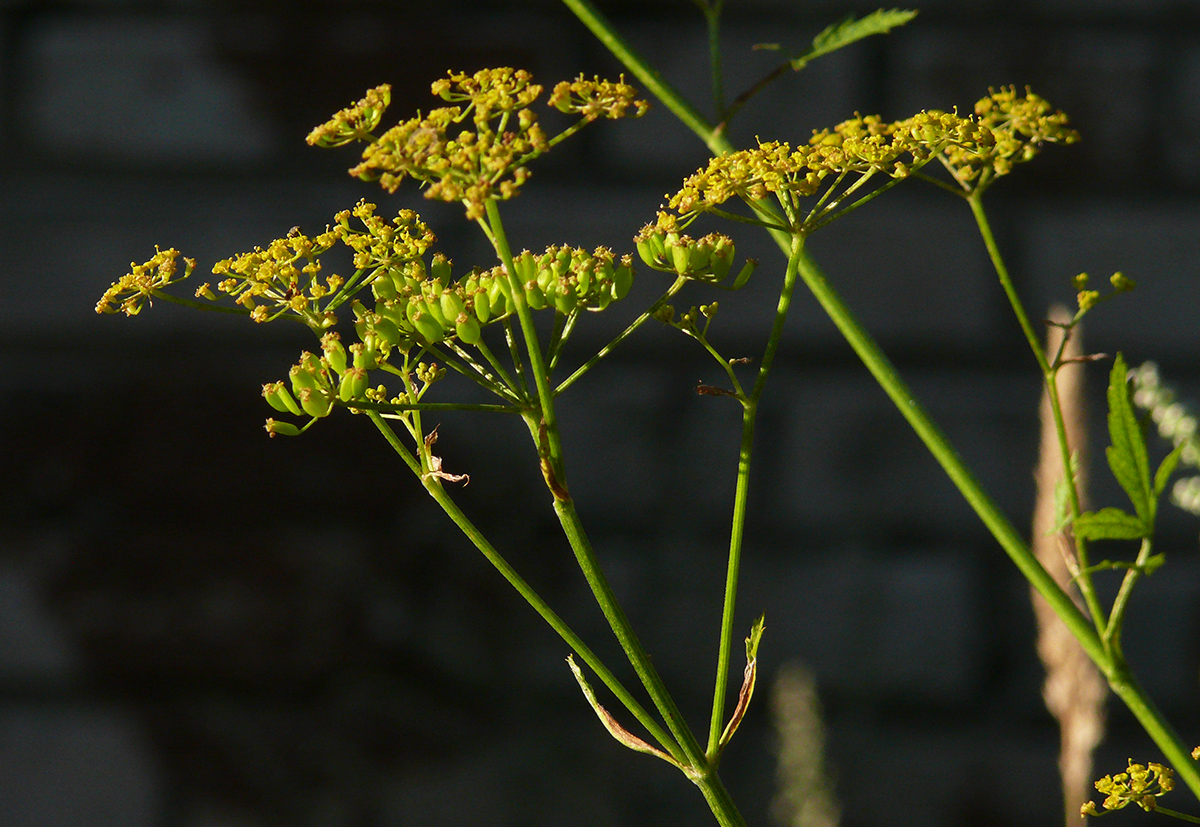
447,504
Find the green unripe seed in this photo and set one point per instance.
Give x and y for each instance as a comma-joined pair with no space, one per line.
525,265
534,296
383,287
467,328
363,359
274,426
277,397
481,306
622,281
564,299
646,251
353,385
387,331
302,379
432,306
681,258
428,328
316,402
452,305
746,271
335,354
439,269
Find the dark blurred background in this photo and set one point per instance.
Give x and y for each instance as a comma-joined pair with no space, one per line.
201,627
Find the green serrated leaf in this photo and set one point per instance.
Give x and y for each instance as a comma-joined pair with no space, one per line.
848,31
1110,524
1166,469
1127,456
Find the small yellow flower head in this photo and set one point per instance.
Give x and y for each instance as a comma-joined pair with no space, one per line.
1087,299
477,149
354,123
1019,126
285,277
489,91
596,97
133,290
1141,784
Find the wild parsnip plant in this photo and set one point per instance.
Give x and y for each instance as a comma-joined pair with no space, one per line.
404,318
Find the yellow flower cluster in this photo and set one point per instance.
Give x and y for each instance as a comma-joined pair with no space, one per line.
1141,784
355,123
134,289
284,277
1020,125
1006,129
474,150
594,98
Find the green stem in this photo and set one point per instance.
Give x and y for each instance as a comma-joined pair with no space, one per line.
1050,380
435,490
740,499
719,801
680,281
889,379
623,630
603,31
1178,815
543,427
1116,618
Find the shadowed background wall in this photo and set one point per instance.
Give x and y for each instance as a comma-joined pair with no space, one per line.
201,627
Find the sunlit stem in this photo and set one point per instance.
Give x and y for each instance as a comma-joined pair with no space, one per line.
435,489
623,335
741,498
1050,380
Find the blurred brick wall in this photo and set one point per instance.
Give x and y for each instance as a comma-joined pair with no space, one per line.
203,627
